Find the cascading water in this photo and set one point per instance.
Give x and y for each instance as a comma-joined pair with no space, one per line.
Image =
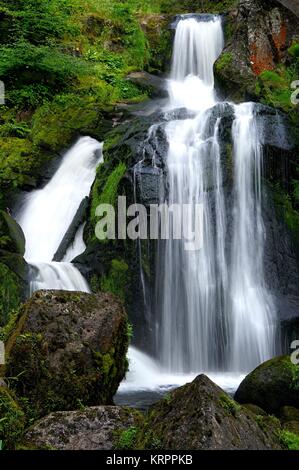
214,312
47,213
252,307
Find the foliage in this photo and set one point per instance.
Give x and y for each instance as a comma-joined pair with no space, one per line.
126,439
224,61
229,405
10,293
11,420
274,86
115,281
289,440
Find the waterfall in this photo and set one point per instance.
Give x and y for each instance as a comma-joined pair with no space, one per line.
252,307
214,309
47,213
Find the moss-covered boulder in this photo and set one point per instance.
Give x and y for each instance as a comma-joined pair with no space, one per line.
95,428
12,419
289,417
68,350
201,416
272,385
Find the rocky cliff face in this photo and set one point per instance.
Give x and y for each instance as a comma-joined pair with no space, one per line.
261,33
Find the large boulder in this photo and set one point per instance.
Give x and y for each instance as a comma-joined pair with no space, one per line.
272,385
95,428
67,350
201,416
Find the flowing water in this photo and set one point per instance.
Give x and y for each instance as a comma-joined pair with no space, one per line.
214,311
47,213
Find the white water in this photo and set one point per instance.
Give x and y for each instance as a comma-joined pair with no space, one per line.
146,375
47,213
252,307
215,314
78,246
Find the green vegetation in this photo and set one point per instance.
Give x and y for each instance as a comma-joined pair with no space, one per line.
224,61
126,439
10,293
285,208
105,191
116,280
274,86
229,405
11,420
65,62
289,440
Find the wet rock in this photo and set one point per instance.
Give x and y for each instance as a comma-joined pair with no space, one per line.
201,416
272,385
274,128
156,86
95,428
13,233
70,235
68,350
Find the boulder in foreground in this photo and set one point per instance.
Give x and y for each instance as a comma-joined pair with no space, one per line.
201,416
68,350
272,385
95,428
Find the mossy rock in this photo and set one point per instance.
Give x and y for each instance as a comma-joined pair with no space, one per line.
13,234
11,291
289,417
94,428
201,416
68,350
272,385
56,124
12,419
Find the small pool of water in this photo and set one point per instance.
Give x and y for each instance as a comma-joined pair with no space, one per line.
146,383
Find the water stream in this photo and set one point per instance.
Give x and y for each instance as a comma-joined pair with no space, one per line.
214,313
47,213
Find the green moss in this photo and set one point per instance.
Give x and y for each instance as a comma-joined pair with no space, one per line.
268,423
130,332
294,50
18,158
274,87
117,279
11,420
41,389
224,62
286,210
10,293
105,191
289,440
229,405
57,123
